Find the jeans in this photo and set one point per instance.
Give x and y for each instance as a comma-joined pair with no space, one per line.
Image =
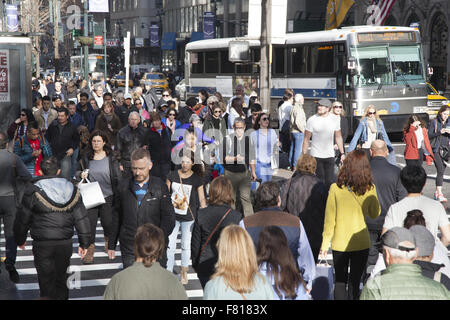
8,212
51,262
186,233
66,168
357,261
264,172
241,181
296,147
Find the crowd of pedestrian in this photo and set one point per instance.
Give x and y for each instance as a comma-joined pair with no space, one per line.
205,171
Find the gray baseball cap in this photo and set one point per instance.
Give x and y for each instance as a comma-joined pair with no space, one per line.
393,237
424,240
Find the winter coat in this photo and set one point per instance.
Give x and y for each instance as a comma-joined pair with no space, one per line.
52,206
89,116
403,282
207,219
129,139
23,149
305,196
38,116
61,142
102,124
156,208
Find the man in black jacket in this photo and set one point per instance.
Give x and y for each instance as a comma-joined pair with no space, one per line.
185,113
52,207
64,139
389,191
130,138
140,200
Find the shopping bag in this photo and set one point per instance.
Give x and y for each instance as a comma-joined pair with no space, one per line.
91,193
323,283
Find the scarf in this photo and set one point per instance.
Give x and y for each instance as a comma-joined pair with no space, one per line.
372,125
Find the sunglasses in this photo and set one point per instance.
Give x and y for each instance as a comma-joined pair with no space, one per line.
338,107
23,115
165,95
217,111
370,113
265,119
172,114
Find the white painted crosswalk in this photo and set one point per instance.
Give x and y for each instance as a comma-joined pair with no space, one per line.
86,282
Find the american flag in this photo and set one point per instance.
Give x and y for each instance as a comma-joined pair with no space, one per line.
378,11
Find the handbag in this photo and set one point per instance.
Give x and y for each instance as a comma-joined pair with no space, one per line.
91,193
323,283
212,233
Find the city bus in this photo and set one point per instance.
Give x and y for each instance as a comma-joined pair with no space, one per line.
96,65
358,66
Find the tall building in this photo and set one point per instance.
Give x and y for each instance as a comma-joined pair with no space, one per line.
136,16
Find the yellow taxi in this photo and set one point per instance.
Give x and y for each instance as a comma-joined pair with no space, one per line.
156,80
435,100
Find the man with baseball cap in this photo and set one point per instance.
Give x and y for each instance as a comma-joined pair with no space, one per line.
324,128
124,111
425,243
402,279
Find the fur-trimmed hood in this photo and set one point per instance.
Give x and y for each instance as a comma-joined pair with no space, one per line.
57,194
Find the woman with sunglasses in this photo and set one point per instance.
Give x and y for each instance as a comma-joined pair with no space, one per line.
370,128
266,144
170,120
142,112
19,127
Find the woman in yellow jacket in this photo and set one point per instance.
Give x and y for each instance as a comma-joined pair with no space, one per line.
350,199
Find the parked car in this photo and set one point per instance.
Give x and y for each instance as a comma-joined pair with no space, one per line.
181,88
156,80
119,81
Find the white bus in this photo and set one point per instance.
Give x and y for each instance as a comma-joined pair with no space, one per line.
96,65
357,66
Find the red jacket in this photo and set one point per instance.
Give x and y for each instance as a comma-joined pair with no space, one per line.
411,149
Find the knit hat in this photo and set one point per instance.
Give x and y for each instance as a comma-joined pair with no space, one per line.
393,237
424,240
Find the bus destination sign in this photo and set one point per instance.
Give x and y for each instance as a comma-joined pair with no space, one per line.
386,37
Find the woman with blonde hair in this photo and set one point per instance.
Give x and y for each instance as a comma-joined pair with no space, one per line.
237,276
370,128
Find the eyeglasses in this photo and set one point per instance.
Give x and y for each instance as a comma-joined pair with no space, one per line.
337,107
370,113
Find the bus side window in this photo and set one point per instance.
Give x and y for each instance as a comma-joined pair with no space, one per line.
197,62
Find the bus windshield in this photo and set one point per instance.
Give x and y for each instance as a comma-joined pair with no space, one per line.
388,65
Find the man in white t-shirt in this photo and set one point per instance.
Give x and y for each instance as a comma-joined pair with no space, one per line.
413,179
324,127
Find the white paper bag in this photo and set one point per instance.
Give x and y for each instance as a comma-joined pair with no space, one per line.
91,193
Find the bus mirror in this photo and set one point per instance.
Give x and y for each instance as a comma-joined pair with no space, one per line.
351,63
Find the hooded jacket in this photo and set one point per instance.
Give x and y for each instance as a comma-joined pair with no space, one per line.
52,206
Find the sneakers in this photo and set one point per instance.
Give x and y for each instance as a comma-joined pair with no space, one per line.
429,160
439,197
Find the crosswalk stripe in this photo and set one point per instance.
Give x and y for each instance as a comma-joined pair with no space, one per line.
74,268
